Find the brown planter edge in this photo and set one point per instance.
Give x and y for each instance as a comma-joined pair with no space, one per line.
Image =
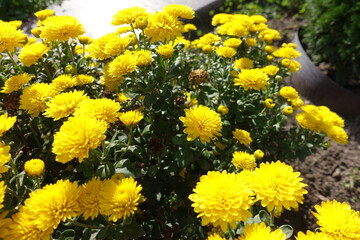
317,87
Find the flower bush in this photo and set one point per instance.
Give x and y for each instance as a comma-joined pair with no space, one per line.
145,134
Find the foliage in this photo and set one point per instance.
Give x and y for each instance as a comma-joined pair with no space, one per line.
332,35
22,9
268,8
131,124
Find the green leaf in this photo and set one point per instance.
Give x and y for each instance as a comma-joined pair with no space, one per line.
183,157
133,230
179,139
103,233
288,230
149,100
68,234
106,170
86,234
264,216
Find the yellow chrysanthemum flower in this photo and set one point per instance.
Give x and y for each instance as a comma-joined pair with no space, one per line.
76,137
269,103
165,50
96,48
221,198
288,110
243,160
179,11
207,39
43,14
254,79
292,65
131,118
270,70
243,63
53,203
189,27
269,48
259,154
34,97
122,65
297,103
89,198
64,104
34,167
121,97
289,93
309,235
220,18
163,27
2,194
111,83
269,35
338,220
6,123
82,79
103,109
85,40
251,42
259,231
115,45
232,42
129,15
143,57
10,37
119,198
61,28
286,52
242,136
30,54
277,186
226,52
203,122
215,236
4,157
223,109
16,82
337,134
63,81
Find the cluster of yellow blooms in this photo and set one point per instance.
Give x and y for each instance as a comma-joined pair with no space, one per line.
220,199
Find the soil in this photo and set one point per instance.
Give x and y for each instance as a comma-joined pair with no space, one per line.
332,174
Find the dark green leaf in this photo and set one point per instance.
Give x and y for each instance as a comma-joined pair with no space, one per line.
184,157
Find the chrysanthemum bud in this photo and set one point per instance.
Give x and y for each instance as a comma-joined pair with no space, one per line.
69,69
34,167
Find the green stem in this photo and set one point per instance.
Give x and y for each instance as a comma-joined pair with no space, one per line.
272,217
11,58
72,56
79,224
131,134
16,172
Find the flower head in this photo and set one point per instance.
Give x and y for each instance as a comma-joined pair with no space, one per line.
289,93
63,81
242,136
243,160
6,123
119,198
243,63
259,231
221,198
102,109
53,203
200,121
223,109
4,157
89,198
269,103
10,37
121,65
286,52
277,186
226,52
61,28
129,15
163,26
338,220
76,137
16,82
82,79
215,236
179,11
43,14
143,57
232,42
259,154
64,104
2,193
255,79
34,167
165,50
34,97
131,118
309,235
288,110
30,54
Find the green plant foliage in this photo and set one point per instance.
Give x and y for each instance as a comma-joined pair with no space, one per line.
22,9
332,35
